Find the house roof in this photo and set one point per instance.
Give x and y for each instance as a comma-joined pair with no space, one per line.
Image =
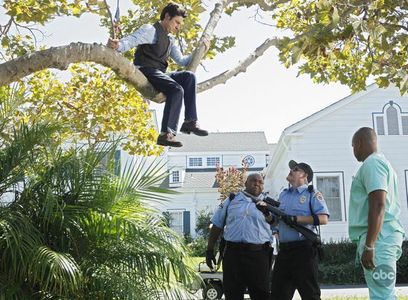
196,179
223,141
329,109
292,129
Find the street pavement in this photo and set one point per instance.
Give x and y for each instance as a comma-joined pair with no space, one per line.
348,291
330,292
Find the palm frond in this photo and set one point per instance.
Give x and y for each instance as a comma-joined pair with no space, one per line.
18,238
55,272
142,180
15,154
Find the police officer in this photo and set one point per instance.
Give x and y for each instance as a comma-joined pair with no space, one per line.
247,233
296,264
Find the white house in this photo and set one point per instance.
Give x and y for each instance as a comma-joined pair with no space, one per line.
323,140
193,167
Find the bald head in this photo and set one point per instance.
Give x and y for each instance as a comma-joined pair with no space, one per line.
254,184
366,135
364,143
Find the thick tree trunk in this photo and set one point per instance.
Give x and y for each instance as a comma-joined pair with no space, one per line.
61,57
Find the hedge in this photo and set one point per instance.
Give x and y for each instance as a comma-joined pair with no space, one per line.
338,265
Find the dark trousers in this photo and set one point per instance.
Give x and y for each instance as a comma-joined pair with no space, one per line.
296,267
246,268
176,86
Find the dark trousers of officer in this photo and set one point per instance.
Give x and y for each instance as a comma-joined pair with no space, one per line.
176,86
245,266
296,267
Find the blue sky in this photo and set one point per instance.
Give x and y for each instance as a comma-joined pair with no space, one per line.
268,97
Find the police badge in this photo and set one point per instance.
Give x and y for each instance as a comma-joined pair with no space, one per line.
302,199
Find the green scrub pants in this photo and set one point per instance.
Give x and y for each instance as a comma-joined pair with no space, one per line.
381,280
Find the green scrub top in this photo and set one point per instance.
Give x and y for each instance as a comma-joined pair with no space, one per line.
376,173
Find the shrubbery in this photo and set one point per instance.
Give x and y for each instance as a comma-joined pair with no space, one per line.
198,247
338,266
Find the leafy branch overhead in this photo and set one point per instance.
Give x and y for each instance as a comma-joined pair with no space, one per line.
344,41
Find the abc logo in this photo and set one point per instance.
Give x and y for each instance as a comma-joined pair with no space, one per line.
384,275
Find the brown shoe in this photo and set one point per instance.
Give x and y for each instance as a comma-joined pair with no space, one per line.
192,127
167,139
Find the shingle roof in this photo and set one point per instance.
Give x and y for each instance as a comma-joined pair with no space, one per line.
196,179
223,141
200,178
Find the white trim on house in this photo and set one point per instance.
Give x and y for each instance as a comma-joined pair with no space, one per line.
290,131
324,141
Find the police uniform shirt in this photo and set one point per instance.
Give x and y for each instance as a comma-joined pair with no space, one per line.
295,202
244,223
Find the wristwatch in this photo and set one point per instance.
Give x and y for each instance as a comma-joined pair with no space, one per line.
366,248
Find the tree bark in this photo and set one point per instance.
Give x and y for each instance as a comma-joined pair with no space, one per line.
201,50
240,68
61,57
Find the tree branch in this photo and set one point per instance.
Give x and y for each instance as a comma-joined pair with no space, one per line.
61,57
201,50
240,68
265,5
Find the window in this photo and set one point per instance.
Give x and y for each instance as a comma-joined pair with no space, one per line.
195,162
331,188
175,176
176,221
249,160
404,125
391,121
213,161
380,126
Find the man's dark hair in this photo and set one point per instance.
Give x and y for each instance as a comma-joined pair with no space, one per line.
173,10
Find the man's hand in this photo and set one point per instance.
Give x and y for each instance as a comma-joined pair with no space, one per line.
367,259
207,43
113,43
262,206
289,220
210,258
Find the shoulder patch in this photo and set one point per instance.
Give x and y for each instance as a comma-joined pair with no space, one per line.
319,196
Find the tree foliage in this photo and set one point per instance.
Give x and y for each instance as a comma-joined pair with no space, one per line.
71,229
347,41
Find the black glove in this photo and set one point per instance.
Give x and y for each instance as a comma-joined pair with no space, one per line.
210,258
289,220
263,209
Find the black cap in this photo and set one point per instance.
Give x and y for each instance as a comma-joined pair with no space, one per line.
303,166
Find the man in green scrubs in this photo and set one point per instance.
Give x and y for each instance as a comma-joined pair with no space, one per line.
374,214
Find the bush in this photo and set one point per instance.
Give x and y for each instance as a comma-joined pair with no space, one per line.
198,247
338,266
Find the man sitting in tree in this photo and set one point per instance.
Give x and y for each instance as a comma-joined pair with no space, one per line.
154,46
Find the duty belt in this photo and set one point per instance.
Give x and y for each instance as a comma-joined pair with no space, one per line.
248,246
294,245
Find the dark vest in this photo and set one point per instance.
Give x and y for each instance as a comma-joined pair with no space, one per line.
154,55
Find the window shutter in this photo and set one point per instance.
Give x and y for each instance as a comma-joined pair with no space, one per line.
117,162
186,222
